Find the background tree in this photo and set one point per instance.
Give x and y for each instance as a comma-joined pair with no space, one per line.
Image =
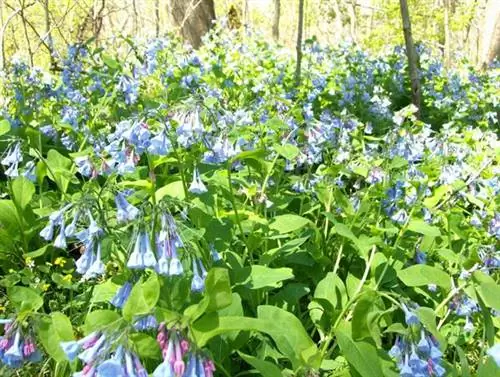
299,42
276,20
491,33
193,18
411,53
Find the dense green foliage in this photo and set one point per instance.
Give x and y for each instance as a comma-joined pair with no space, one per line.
299,231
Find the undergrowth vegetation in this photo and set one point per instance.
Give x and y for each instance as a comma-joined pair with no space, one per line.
195,213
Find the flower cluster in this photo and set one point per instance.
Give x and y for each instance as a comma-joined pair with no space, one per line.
417,353
178,359
89,264
103,357
17,346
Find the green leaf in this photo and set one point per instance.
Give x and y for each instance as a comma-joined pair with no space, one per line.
4,127
432,201
59,169
173,189
104,292
110,62
289,151
490,293
488,368
362,356
146,346
428,318
421,274
265,368
294,343
257,276
464,364
49,338
22,192
421,227
9,218
62,326
331,289
365,317
142,299
25,299
99,318
288,223
218,289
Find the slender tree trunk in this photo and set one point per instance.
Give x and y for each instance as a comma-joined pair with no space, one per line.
491,33
26,35
351,9
246,13
411,53
48,34
136,17
276,20
447,32
193,18
339,26
157,18
299,42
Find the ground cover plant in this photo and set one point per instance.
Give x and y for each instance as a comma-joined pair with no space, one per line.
171,212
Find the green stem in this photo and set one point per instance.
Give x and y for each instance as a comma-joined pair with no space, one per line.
235,209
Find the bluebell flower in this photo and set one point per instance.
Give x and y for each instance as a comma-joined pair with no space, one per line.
198,281
122,295
175,267
494,352
214,254
97,268
130,89
12,160
190,129
221,151
124,210
420,257
197,186
49,131
159,144
70,230
142,255
60,240
29,171
410,316
400,217
494,226
147,322
84,166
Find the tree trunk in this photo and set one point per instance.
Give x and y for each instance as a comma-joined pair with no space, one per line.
246,13
26,35
491,33
299,42
351,10
447,32
411,53
157,18
276,20
339,25
193,18
48,35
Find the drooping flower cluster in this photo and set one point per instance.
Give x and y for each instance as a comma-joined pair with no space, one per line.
103,357
179,359
417,353
89,264
165,260
17,345
464,306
